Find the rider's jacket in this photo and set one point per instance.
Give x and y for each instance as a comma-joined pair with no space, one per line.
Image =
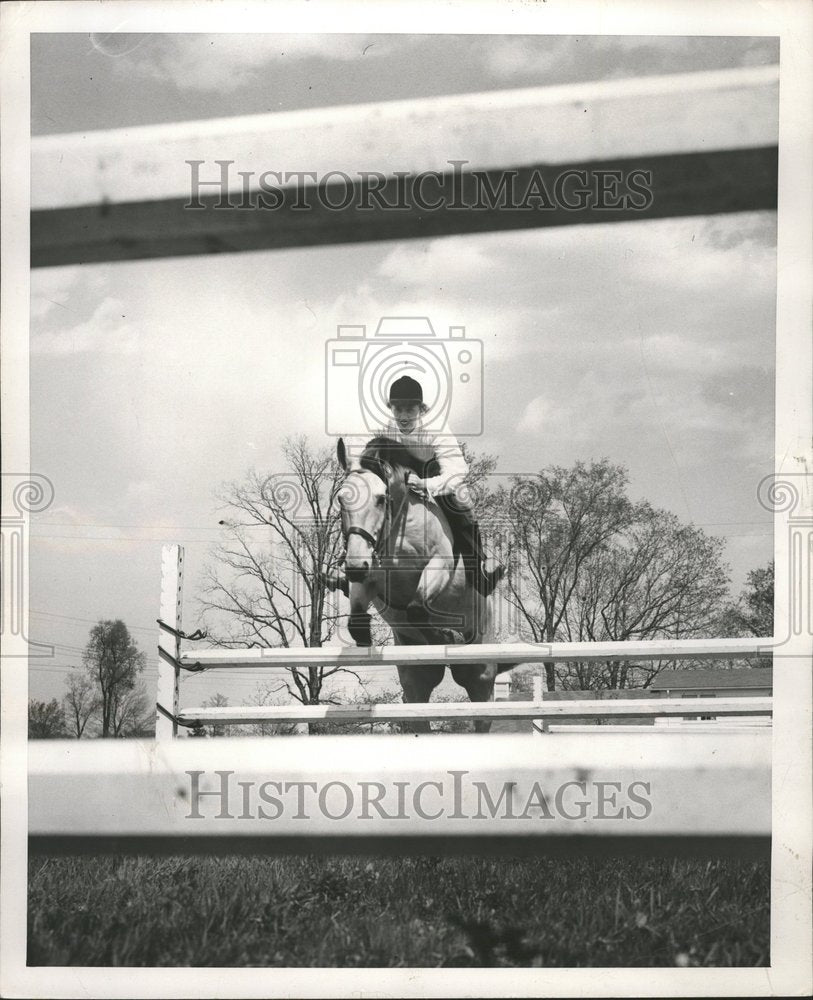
441,445
426,444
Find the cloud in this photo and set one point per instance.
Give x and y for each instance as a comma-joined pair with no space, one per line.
431,264
570,58
55,290
757,231
105,332
227,62
691,290
536,416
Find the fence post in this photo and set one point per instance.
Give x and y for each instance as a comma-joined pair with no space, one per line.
169,646
538,726
502,687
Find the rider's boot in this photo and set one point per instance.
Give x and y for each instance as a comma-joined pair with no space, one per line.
484,572
490,574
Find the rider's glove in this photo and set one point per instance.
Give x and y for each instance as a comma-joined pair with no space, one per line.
416,486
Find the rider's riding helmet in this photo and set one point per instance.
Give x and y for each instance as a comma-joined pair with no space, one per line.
406,390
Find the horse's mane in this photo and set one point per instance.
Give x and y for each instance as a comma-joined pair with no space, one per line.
383,451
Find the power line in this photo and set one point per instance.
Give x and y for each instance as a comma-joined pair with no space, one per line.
146,527
77,666
118,538
89,621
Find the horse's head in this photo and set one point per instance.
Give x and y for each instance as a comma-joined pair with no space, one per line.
364,501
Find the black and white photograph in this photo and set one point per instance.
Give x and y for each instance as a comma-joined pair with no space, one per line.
407,499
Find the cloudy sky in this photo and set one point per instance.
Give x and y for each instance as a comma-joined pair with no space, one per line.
153,382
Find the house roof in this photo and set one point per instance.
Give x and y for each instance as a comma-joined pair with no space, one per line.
690,680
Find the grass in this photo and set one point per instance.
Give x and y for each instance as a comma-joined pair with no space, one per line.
408,912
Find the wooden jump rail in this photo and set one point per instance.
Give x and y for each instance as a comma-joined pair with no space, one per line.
507,794
129,193
502,653
547,711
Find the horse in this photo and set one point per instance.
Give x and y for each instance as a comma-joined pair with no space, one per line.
400,558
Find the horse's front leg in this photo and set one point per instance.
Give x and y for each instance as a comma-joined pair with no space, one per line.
418,682
478,680
358,622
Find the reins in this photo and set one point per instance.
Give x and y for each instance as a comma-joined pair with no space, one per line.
378,544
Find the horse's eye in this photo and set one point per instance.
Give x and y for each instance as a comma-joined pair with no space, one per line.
379,501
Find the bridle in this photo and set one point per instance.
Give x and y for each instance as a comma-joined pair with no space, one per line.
376,543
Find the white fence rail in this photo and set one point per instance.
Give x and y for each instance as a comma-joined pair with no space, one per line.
620,793
514,654
546,711
151,191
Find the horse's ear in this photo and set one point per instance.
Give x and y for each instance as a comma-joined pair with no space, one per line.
341,454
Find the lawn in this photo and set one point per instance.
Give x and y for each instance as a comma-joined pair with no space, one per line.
391,912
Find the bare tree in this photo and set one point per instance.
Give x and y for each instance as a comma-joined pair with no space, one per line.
478,481
271,693
113,663
559,519
657,579
593,566
45,720
81,703
362,697
133,713
268,588
217,700
752,612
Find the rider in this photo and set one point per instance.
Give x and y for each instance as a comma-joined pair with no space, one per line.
405,400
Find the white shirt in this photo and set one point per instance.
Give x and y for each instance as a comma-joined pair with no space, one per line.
442,445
